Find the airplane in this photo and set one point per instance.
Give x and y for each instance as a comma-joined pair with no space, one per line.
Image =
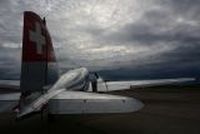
71,93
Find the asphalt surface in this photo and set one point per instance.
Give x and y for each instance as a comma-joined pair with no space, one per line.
167,110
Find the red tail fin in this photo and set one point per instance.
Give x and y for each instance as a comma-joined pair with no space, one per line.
37,55
37,45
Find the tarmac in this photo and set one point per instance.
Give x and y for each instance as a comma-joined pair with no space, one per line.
167,110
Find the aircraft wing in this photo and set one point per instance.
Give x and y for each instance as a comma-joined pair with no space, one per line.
122,85
9,85
77,102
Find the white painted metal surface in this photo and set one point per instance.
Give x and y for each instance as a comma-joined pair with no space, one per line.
76,102
120,85
37,37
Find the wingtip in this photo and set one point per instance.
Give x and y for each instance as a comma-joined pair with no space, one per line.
136,105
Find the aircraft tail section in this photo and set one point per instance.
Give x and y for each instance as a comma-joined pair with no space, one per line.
39,67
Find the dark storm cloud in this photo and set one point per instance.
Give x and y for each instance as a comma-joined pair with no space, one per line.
156,25
146,36
10,63
186,7
169,26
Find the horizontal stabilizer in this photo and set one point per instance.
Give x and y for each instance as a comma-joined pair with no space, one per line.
75,102
8,102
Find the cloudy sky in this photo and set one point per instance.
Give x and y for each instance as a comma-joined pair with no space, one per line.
118,38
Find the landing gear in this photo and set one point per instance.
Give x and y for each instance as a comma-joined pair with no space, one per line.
93,79
94,86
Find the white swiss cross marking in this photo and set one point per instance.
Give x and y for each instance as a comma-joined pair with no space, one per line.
37,37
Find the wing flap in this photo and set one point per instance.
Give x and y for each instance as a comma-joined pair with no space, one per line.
75,102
